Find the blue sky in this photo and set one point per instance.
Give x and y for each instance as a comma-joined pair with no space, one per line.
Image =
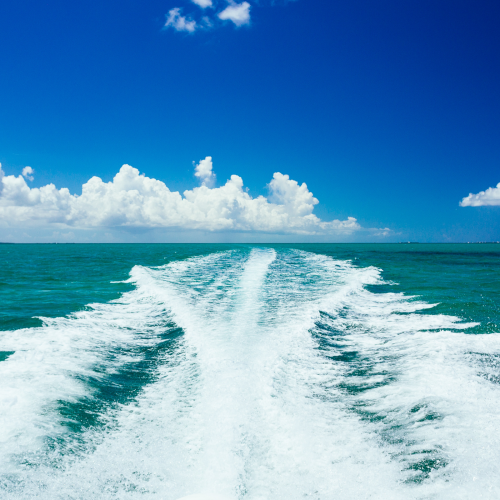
388,110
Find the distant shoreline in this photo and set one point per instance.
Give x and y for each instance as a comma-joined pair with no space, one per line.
257,243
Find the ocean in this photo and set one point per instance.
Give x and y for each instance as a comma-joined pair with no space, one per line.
259,372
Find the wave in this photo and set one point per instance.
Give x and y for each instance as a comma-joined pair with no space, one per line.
257,374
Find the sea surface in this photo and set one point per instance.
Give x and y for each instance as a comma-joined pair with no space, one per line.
259,372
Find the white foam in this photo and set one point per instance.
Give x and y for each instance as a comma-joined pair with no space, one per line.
202,497
264,397
51,363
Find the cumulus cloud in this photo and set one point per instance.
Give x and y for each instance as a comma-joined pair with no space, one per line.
204,172
136,201
179,22
238,13
203,3
28,173
287,192
490,197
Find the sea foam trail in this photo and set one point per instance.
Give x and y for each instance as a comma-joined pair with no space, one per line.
68,361
287,379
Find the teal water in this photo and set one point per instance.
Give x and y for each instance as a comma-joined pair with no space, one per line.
250,371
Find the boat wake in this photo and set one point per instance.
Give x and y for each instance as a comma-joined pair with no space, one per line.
251,374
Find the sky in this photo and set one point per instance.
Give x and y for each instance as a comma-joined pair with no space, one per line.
268,120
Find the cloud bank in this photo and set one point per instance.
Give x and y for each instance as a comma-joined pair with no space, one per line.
133,200
490,197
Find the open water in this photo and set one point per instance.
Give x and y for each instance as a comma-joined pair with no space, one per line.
259,372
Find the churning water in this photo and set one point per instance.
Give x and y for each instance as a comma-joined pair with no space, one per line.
255,373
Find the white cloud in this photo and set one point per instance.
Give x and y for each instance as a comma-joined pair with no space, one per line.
136,201
287,192
207,22
204,172
484,198
238,13
203,3
179,22
28,173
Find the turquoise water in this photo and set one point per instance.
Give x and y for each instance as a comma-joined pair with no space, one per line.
250,371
